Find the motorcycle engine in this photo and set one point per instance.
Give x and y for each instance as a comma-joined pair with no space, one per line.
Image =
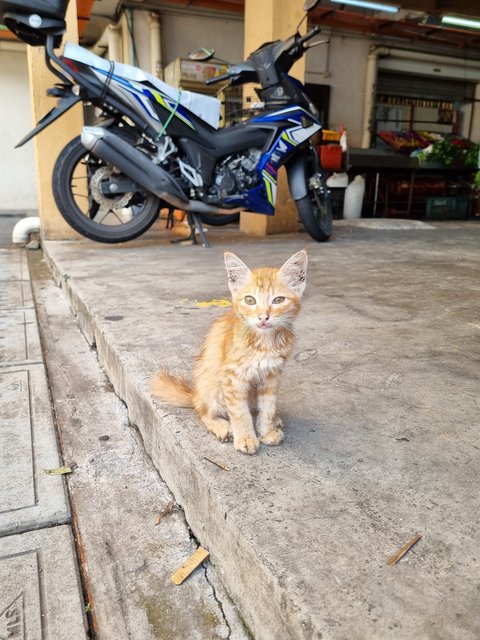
236,174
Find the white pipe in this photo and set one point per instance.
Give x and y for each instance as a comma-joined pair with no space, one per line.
23,229
114,40
370,93
156,67
474,129
110,41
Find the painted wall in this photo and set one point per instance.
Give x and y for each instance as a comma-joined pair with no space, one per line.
17,183
342,64
181,34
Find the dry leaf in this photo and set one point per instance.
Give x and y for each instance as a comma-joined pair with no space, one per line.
165,511
59,471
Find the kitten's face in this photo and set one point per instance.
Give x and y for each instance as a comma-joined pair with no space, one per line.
265,302
267,299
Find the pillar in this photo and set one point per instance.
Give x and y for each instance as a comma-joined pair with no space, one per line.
266,21
48,144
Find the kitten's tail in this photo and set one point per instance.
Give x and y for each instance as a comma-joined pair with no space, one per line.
172,389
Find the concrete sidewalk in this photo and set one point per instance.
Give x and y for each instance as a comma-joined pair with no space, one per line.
380,401
40,587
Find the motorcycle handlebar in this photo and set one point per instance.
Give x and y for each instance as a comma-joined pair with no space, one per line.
224,76
296,50
308,36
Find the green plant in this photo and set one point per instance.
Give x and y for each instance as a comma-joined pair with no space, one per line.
476,180
450,150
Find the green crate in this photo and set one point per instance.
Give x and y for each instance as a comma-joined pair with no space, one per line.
448,208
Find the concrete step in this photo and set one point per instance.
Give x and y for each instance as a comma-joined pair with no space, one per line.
376,448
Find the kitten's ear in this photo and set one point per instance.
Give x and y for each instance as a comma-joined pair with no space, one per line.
294,272
237,272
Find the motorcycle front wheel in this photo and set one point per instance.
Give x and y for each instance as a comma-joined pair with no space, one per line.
315,209
90,198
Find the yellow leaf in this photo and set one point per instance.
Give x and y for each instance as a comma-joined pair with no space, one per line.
59,471
213,303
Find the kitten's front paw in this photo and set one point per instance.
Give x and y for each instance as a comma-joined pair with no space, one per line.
246,445
220,429
272,437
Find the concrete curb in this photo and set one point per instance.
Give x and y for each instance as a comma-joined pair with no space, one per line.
116,494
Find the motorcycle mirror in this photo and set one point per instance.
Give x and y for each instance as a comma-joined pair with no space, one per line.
308,5
202,54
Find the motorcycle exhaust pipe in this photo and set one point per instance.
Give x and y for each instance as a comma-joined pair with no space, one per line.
138,167
133,163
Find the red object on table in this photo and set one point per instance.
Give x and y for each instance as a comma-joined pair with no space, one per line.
331,156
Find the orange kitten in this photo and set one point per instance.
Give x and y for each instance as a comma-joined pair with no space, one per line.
239,367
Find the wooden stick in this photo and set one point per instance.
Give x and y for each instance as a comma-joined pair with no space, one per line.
406,547
189,565
218,464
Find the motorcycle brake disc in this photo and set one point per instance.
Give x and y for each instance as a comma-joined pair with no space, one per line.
111,201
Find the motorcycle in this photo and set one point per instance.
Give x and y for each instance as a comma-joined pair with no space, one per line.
155,146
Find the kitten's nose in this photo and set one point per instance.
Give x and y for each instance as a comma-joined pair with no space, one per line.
263,317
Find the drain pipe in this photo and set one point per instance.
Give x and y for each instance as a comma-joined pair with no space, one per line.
156,67
370,93
114,39
110,41
23,229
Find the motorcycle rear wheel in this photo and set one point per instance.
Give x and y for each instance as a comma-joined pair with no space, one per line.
77,188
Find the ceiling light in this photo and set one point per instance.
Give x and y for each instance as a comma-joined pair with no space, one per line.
461,22
366,4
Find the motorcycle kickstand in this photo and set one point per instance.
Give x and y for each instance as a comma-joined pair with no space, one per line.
195,224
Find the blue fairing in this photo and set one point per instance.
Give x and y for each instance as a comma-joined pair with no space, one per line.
296,125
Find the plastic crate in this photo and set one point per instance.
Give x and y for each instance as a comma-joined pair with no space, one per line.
331,157
330,136
448,208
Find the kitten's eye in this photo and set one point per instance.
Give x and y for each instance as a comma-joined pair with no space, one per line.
279,300
249,300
